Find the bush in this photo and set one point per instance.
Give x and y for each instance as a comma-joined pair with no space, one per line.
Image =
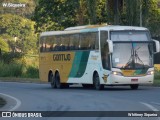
11,69
32,72
9,57
157,75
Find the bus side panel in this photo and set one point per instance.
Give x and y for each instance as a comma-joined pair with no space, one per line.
85,63
44,66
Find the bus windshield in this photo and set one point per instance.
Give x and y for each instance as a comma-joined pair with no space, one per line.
132,55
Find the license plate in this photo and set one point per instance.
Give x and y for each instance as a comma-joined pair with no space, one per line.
134,80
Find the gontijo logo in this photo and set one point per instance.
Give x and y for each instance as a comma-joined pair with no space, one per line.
61,57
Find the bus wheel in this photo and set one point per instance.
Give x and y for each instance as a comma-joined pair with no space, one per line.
134,87
52,80
57,81
96,82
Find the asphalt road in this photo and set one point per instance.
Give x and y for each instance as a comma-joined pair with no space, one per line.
40,97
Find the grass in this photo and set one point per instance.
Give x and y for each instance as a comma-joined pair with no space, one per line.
2,102
156,82
20,69
157,78
11,69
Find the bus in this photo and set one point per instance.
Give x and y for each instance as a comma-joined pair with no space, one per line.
95,56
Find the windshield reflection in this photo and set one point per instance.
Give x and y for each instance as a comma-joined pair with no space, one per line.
132,55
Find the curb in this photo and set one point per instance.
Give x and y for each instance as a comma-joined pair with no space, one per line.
12,103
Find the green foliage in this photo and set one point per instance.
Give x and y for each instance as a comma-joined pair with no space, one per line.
9,57
101,12
10,70
3,45
81,13
19,33
32,72
157,74
55,14
59,14
19,69
129,14
26,11
91,4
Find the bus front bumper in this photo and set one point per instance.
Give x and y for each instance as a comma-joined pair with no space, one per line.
116,79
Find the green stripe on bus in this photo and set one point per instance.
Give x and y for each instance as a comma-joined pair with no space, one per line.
75,65
139,72
83,64
79,64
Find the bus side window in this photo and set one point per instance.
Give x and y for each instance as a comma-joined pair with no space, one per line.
52,43
92,40
96,41
48,43
41,44
104,50
44,44
74,42
58,43
65,42
84,41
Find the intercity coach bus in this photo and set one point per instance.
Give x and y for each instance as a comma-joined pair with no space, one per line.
95,56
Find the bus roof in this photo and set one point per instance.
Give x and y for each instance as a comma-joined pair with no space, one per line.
91,28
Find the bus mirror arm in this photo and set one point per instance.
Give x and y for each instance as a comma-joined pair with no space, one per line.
157,45
110,46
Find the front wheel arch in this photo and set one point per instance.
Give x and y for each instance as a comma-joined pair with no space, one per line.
96,81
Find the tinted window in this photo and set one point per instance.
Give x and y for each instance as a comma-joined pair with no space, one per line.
42,44
104,50
74,42
83,41
64,43
89,41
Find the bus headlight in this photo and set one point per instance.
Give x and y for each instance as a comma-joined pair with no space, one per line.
117,73
150,72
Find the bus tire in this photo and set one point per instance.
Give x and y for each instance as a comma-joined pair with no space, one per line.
52,80
134,87
57,81
96,82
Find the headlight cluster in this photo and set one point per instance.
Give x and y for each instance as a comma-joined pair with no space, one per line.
150,72
117,73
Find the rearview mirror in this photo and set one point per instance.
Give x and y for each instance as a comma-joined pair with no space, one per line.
110,46
157,45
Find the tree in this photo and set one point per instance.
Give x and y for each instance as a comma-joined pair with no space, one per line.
4,47
101,12
55,14
26,11
91,7
18,32
81,13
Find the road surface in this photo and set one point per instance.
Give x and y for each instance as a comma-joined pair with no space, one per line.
41,97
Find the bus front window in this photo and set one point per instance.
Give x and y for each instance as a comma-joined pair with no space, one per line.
132,55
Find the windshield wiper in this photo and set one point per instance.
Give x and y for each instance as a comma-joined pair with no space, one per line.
133,60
